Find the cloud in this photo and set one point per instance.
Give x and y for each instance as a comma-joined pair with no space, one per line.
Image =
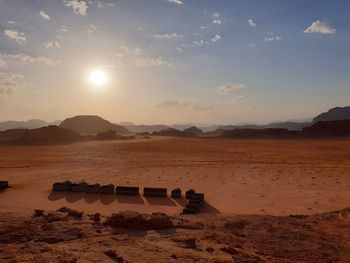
227,88
216,38
19,37
137,51
79,7
199,43
44,15
63,29
172,104
147,62
251,23
24,58
101,4
217,21
168,36
242,98
10,82
3,63
194,105
320,27
53,44
271,37
91,28
215,15
177,2
179,49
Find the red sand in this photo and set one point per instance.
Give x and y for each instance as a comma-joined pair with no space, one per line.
249,176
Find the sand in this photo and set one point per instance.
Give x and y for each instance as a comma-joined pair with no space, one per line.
238,176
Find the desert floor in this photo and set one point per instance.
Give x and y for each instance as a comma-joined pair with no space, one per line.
249,176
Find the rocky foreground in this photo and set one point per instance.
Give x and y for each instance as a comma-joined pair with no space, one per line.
71,236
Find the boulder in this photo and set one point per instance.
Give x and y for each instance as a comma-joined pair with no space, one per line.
134,220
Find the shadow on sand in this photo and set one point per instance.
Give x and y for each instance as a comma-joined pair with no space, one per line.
91,198
107,199
72,197
180,201
54,196
209,209
162,201
125,199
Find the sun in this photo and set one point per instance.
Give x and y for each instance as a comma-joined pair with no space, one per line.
97,78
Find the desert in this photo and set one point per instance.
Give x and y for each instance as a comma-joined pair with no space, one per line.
256,191
249,176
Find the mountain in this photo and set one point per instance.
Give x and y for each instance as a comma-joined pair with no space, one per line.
30,124
193,130
334,114
49,134
173,133
260,133
329,128
91,125
144,128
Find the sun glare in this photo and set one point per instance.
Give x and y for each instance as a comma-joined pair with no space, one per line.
97,78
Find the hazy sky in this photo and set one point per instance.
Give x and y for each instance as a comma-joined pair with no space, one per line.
174,61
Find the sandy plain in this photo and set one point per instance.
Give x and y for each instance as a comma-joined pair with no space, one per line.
238,176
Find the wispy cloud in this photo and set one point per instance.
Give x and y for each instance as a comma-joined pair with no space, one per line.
168,36
147,62
217,21
215,15
216,38
177,2
3,63
45,15
53,44
194,105
251,23
320,27
19,37
103,4
24,58
62,29
91,28
79,7
271,37
10,82
227,88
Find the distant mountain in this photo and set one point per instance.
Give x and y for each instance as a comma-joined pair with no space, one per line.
193,130
47,135
145,128
334,114
30,124
173,133
91,125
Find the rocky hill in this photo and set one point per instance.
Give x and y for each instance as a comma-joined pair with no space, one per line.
47,135
329,128
30,124
91,125
334,114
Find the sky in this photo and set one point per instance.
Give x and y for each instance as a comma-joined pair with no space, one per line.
174,61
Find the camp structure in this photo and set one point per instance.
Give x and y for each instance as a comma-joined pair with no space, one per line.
152,191
4,185
92,188
107,189
78,187
127,190
176,193
61,186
